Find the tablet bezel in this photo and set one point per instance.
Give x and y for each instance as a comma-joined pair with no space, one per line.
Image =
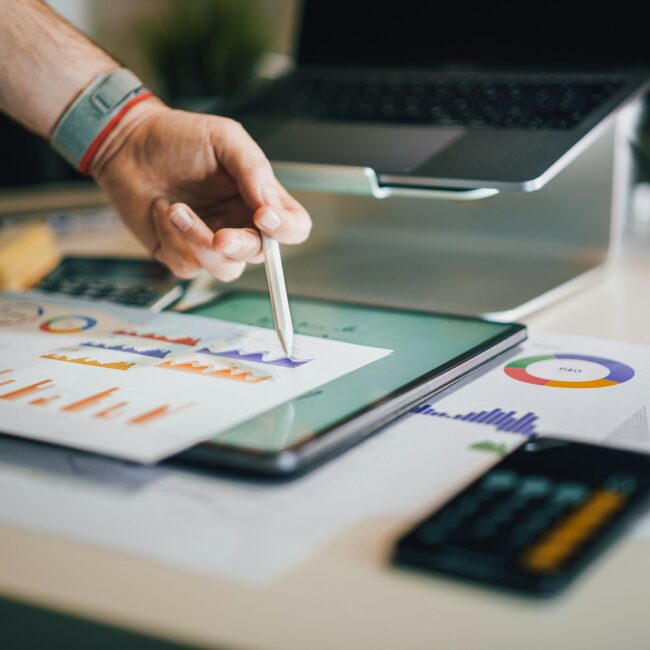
335,438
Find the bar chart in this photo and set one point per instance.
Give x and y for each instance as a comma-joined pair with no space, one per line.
108,404
499,419
156,353
257,357
232,373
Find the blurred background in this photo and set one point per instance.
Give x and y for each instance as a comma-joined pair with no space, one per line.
201,54
195,54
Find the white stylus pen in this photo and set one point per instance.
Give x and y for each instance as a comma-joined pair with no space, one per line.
278,292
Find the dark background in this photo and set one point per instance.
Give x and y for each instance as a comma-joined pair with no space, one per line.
412,32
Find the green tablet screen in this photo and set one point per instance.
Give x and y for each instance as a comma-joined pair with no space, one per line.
422,344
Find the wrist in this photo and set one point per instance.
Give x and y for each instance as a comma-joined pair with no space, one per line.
95,114
123,132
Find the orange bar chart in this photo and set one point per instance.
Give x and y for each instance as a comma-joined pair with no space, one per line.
28,390
82,404
156,413
44,401
111,411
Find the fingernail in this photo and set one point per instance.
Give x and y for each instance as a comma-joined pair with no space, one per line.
181,218
233,246
270,196
270,221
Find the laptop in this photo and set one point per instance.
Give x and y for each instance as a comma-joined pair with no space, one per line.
465,95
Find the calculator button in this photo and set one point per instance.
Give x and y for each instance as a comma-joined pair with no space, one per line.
534,486
484,527
501,513
517,502
553,509
97,289
116,295
570,493
72,287
499,480
522,536
468,505
431,533
621,483
536,521
449,518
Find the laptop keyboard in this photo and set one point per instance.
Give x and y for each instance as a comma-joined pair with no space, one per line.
439,101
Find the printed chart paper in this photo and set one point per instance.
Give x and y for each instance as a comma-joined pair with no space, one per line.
141,386
588,389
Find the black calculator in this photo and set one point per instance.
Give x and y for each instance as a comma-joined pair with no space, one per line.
535,519
135,282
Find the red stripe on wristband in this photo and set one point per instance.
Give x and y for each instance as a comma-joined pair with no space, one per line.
84,165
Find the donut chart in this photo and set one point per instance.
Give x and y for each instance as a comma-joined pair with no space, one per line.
68,324
569,371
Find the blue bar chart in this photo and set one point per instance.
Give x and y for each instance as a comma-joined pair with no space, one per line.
501,420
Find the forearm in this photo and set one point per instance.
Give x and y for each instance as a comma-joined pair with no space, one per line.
44,63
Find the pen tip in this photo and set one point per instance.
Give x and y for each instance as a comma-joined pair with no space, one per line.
287,344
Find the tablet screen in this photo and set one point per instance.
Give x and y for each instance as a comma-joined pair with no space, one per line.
422,344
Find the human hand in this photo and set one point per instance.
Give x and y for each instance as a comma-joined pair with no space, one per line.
196,190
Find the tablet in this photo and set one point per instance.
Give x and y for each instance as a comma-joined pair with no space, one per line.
428,352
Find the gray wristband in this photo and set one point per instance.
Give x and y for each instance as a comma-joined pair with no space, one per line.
91,112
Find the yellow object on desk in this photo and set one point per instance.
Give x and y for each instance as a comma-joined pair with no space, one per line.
27,254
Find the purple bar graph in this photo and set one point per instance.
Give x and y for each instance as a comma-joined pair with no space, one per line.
508,421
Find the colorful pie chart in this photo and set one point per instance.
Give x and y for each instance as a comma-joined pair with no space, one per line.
68,324
569,371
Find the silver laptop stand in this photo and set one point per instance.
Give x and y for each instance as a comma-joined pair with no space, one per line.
501,255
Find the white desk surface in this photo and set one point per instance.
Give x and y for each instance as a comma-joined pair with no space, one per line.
346,595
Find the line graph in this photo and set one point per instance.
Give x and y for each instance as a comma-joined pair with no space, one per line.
257,357
85,361
507,421
156,353
232,373
177,340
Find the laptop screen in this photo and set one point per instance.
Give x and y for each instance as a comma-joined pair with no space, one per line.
512,34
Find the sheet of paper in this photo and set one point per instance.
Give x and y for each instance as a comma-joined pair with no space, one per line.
125,382
250,532
581,388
